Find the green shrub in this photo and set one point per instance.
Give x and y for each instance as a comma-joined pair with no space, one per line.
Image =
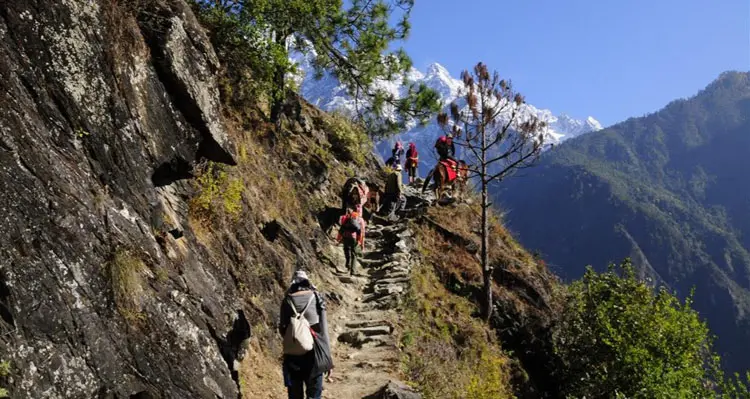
252,59
218,194
620,338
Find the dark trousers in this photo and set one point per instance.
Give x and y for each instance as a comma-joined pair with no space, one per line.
392,203
313,387
350,253
300,378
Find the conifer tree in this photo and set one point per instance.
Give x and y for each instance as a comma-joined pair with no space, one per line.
497,138
354,43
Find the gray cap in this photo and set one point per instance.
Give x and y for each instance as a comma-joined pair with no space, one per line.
299,276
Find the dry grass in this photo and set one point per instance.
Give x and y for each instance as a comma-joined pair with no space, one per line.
466,220
260,374
126,274
447,352
513,264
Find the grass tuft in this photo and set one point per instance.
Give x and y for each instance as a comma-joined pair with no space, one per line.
126,272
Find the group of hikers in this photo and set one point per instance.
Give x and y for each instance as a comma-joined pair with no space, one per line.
411,163
303,324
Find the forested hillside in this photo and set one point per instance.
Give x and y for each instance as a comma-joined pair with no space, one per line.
669,190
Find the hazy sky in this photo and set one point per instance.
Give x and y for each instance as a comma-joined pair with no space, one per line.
606,58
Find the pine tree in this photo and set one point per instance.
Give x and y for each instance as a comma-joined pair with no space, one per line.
497,139
353,43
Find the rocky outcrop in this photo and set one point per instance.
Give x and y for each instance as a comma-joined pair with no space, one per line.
104,109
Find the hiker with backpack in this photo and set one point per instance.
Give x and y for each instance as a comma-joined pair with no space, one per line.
393,196
351,234
307,349
354,194
412,161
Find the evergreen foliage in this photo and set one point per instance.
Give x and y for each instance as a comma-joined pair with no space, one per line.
354,43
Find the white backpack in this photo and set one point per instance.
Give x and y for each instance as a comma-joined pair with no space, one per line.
298,338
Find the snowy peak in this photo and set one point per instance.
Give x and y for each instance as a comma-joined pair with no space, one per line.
330,95
439,79
594,124
571,127
436,69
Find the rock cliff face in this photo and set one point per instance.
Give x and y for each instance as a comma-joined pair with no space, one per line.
106,289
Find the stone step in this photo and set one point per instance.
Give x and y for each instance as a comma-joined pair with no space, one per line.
373,331
401,246
400,257
358,339
369,365
377,255
382,300
387,302
392,280
347,279
372,296
397,273
388,289
364,262
368,323
394,229
393,268
366,315
376,341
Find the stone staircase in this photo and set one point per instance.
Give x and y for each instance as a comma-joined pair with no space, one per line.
364,336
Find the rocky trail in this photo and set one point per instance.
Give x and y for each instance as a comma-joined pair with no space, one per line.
363,336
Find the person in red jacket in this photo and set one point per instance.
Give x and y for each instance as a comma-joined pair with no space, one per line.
412,160
445,147
351,234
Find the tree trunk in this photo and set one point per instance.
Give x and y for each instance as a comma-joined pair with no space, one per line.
277,97
486,267
278,94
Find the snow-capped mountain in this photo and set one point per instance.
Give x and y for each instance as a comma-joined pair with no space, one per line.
328,94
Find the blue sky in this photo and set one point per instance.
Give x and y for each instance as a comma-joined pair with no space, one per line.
611,59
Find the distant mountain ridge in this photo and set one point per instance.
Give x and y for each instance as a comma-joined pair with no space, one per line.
670,190
328,94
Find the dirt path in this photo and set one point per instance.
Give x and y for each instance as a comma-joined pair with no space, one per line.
364,342
362,314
